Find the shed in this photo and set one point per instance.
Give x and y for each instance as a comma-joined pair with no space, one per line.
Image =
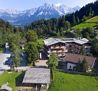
37,77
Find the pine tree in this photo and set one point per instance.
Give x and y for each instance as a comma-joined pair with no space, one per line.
78,21
74,19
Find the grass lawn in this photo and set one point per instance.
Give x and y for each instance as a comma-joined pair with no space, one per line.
71,82
94,19
90,23
85,25
10,78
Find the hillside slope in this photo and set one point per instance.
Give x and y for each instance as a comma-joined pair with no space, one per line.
72,82
90,23
93,20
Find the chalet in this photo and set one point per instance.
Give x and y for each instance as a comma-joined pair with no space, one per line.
66,45
37,78
54,45
70,61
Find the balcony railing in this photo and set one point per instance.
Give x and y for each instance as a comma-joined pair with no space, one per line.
57,47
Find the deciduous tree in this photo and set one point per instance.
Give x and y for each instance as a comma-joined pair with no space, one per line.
32,52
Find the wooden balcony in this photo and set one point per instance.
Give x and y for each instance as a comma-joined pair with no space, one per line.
57,47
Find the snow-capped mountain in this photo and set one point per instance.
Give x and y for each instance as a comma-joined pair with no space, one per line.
45,11
63,9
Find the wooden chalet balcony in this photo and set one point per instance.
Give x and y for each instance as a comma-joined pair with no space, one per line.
52,47
61,55
57,51
60,51
57,47
54,51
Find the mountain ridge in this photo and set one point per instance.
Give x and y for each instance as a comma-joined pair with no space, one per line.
45,11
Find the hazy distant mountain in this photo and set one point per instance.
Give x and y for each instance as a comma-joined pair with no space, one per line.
46,11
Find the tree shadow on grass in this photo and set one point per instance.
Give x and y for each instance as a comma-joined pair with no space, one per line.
19,79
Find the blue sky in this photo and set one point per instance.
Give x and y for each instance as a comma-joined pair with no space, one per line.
27,4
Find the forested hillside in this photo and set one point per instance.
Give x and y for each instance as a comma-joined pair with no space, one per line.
13,36
61,27
56,27
20,41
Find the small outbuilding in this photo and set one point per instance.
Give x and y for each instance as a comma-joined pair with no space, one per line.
37,78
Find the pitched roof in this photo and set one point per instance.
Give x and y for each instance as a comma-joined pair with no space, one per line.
6,87
51,41
81,41
37,75
75,58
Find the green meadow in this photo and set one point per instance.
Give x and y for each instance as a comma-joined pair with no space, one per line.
73,82
90,23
